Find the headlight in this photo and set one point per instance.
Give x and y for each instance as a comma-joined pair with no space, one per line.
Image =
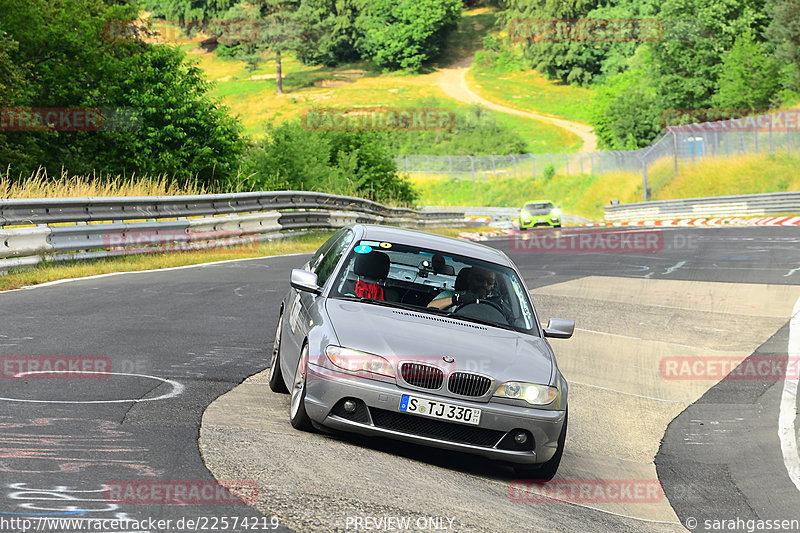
556,212
356,361
530,392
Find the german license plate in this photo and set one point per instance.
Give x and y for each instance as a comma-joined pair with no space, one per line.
440,410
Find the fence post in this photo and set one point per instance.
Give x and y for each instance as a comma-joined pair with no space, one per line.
644,179
675,150
728,143
771,145
472,164
757,132
788,134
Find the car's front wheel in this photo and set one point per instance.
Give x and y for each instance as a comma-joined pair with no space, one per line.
297,410
276,383
546,471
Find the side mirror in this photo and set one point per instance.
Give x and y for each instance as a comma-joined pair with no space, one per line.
306,281
559,328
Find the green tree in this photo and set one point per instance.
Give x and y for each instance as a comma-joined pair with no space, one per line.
688,60
405,33
784,33
749,77
353,163
188,13
67,60
626,110
328,31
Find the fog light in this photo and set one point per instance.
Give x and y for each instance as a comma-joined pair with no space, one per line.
521,437
349,406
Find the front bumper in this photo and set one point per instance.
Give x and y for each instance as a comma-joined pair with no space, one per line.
326,389
539,221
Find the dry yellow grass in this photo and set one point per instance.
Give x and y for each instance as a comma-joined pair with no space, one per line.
40,185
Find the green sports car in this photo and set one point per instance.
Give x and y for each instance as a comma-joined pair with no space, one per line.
539,213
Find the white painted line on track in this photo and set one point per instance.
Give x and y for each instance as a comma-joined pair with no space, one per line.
788,411
571,382
97,276
177,388
641,339
674,267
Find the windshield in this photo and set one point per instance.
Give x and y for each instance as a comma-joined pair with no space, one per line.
427,281
538,206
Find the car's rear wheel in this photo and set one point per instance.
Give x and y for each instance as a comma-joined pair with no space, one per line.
297,409
546,471
276,383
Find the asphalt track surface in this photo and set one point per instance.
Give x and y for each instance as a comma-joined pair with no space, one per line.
178,340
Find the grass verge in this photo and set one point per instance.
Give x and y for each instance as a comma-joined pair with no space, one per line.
39,185
53,271
586,195
530,91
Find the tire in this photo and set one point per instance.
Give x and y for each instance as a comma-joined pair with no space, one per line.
297,406
276,383
546,471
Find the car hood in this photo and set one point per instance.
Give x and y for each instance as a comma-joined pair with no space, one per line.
401,335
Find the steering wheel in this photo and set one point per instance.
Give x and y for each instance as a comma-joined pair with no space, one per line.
480,314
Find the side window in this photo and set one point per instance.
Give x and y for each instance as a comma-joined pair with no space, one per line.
329,259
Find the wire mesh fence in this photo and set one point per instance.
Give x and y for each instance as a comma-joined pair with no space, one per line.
767,133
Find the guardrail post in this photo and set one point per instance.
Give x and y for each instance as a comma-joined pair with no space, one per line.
428,161
533,159
514,160
494,168
450,158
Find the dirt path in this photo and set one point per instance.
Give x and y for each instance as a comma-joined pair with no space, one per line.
453,81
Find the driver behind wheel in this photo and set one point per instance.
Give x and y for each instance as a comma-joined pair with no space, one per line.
479,283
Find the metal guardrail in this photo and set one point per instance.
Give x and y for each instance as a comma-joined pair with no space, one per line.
749,205
80,228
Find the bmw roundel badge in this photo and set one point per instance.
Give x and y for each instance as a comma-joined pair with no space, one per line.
448,359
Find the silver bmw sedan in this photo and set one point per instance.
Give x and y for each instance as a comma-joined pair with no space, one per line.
426,339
